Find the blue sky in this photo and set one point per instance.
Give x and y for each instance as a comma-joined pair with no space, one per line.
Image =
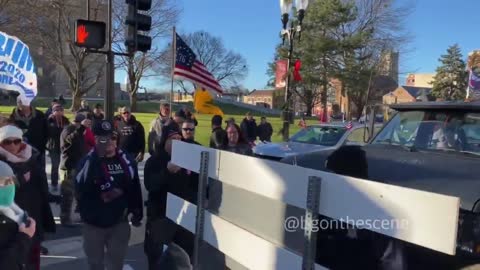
251,27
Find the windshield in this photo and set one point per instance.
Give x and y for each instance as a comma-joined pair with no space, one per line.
327,136
433,130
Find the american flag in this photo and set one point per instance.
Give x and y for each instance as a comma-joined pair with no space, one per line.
349,125
187,67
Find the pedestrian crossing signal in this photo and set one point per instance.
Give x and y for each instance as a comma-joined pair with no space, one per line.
90,34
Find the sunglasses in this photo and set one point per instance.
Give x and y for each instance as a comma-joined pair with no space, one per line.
188,129
126,112
9,142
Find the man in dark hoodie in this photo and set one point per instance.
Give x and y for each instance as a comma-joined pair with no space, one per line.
264,130
131,135
56,123
108,189
218,139
73,149
249,128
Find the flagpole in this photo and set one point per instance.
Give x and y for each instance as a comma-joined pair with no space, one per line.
174,47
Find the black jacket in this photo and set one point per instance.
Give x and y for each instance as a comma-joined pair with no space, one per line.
131,136
14,245
32,195
265,132
92,208
72,146
249,129
54,132
218,139
35,128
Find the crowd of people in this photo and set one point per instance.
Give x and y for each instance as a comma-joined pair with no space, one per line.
94,168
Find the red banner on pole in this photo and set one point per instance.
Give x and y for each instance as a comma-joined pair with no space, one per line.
281,73
296,72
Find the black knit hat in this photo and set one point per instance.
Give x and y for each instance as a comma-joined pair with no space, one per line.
181,113
217,120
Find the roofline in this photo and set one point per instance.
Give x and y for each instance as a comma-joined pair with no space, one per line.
432,105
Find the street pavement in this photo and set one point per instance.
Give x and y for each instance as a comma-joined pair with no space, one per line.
65,246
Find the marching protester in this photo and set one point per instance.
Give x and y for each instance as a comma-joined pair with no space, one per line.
218,139
98,114
264,130
188,132
156,125
32,194
131,135
16,228
230,120
85,109
236,142
56,122
249,128
108,190
73,149
162,176
179,117
33,123
50,109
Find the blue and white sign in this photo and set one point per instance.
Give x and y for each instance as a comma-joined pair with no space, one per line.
17,71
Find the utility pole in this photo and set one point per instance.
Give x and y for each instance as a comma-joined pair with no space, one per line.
110,73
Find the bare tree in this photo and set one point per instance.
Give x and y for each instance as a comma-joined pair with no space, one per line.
164,15
50,28
228,67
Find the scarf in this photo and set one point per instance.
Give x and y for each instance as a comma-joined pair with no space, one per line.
23,156
106,178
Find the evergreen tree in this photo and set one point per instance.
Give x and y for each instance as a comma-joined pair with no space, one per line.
450,82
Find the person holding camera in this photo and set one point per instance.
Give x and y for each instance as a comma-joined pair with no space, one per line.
108,190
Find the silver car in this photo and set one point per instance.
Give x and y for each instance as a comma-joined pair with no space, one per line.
315,138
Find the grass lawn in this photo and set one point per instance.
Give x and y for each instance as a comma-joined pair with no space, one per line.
203,131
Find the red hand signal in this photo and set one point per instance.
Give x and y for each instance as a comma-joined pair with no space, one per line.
82,34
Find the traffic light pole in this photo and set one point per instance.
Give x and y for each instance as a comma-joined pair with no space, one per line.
109,90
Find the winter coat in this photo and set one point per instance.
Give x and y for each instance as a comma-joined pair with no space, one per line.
218,139
155,131
32,192
34,127
93,209
14,245
131,136
72,146
265,132
243,149
54,131
249,129
89,140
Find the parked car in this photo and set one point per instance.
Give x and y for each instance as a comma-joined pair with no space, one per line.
314,138
435,147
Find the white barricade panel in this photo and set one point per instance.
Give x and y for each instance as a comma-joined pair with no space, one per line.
411,215
244,247
188,156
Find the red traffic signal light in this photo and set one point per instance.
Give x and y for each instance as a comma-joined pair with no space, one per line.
90,34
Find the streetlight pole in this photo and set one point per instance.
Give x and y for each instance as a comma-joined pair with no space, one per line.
110,76
290,33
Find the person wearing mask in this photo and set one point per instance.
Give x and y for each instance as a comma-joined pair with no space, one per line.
179,117
109,196
249,128
131,135
188,132
33,123
161,177
156,126
73,149
236,142
264,130
32,194
50,109
16,228
56,123
218,139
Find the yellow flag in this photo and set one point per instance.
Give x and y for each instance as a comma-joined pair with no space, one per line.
203,103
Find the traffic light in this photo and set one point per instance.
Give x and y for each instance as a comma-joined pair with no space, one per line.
136,41
90,34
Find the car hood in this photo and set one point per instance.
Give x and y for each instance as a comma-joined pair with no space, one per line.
285,149
452,174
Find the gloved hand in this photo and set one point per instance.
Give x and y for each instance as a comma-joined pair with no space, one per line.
136,219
